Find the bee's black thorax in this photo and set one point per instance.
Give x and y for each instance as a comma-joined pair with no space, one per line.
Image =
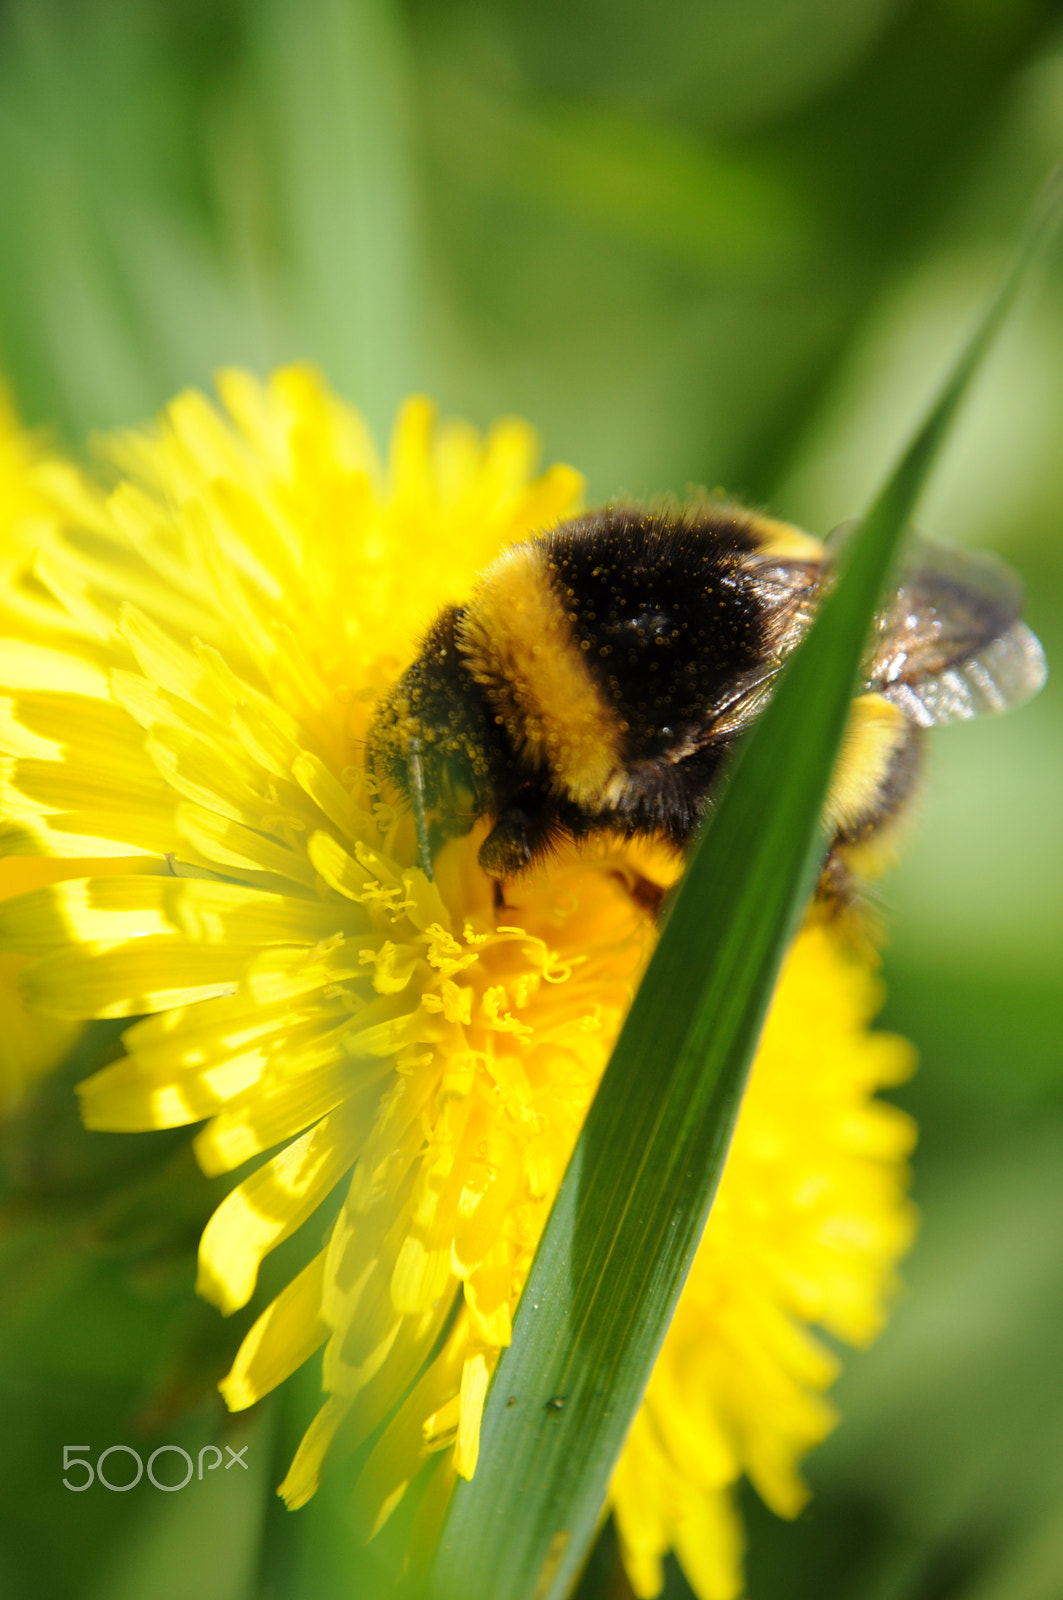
665,616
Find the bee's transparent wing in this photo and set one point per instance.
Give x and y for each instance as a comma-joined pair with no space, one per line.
787,591
1008,671
950,644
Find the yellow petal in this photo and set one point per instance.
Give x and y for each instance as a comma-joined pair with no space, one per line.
315,1082
709,1544
37,668
285,1335
304,1474
149,974
229,844
266,1208
475,1375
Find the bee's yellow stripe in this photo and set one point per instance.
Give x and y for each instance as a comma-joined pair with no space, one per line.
876,731
519,642
785,542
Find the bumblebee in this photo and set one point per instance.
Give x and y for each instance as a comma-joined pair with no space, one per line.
598,678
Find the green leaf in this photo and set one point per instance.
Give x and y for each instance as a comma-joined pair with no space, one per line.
636,1196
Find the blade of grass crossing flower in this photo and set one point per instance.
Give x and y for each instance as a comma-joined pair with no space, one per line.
636,1196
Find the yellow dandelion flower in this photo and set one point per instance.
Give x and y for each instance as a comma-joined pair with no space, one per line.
189,685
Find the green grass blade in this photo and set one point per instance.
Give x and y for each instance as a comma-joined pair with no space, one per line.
634,1201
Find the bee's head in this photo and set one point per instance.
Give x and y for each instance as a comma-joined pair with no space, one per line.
431,735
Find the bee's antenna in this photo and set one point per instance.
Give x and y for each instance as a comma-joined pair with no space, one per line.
420,821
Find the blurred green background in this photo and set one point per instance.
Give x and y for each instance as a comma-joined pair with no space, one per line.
730,242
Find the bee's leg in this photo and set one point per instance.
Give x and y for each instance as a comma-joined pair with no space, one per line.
420,820
837,884
520,835
509,848
646,894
